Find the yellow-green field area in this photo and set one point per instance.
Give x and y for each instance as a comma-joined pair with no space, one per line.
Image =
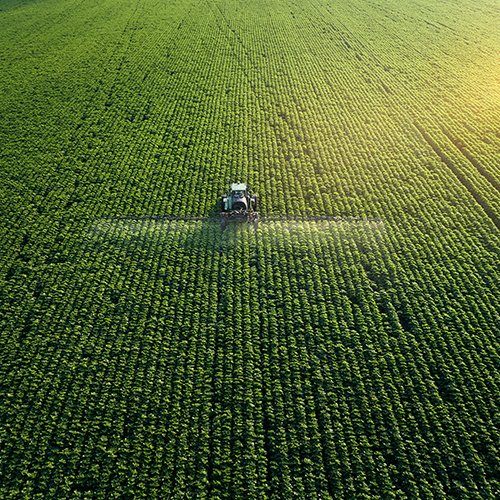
155,359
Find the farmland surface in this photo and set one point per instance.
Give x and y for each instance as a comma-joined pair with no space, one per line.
301,360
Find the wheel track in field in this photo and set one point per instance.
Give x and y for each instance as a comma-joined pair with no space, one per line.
461,177
487,175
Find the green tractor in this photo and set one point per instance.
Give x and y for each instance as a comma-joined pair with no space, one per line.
239,205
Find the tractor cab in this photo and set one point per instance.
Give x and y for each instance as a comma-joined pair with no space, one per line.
239,200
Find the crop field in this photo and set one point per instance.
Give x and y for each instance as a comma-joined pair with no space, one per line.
154,359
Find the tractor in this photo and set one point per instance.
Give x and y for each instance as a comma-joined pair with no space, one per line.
239,205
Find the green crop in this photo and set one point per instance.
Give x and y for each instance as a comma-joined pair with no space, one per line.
297,360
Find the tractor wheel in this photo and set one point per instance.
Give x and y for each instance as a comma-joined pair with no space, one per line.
223,201
254,202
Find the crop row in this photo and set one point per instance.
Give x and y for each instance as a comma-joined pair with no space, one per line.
167,118
299,358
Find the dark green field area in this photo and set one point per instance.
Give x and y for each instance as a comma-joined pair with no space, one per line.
299,360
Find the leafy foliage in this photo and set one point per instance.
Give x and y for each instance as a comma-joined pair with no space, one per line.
149,359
